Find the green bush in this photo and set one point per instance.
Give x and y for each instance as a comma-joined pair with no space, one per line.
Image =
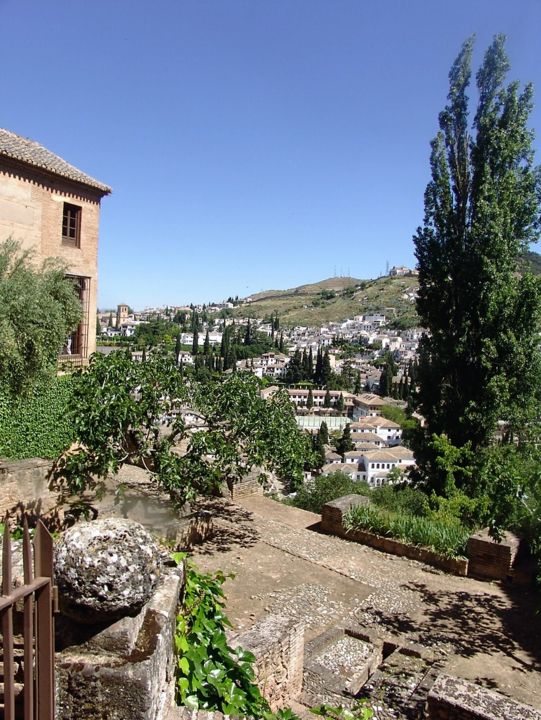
447,538
401,498
325,488
210,674
35,425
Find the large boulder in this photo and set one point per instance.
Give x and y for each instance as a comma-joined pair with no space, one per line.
105,569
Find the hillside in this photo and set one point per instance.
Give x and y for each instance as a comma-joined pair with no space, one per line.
334,300
339,298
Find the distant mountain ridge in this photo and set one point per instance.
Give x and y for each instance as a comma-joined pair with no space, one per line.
339,298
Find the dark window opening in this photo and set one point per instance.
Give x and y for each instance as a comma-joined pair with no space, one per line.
71,225
76,345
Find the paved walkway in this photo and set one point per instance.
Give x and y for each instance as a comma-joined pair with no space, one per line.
480,631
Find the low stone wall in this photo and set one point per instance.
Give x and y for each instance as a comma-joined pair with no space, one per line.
278,645
452,698
490,559
124,671
332,523
24,487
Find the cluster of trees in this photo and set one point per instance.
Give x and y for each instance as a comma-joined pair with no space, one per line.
404,387
302,368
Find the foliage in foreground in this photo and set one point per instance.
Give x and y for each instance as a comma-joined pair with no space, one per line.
212,675
35,424
447,538
138,413
38,310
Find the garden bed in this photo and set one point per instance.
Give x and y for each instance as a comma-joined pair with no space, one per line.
332,522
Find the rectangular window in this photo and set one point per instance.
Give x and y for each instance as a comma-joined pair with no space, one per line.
76,345
71,225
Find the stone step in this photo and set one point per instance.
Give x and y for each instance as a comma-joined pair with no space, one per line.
402,683
337,665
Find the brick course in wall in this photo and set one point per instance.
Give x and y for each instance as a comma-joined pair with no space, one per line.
31,210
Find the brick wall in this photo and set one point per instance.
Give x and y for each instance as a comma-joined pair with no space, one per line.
31,208
332,523
490,559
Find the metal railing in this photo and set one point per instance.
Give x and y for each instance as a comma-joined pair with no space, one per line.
28,654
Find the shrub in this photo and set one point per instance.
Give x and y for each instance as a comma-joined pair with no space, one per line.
325,488
36,424
401,498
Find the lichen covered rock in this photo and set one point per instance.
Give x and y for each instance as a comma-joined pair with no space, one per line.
105,569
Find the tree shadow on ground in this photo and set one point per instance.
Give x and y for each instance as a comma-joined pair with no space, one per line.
233,526
475,623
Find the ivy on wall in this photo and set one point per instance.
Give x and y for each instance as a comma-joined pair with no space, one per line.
35,425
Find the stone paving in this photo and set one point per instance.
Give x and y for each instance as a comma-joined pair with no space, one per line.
484,632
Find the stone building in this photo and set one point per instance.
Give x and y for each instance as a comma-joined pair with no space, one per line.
53,209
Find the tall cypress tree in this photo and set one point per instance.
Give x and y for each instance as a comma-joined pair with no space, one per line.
310,367
324,432
178,348
206,344
479,362
318,372
326,371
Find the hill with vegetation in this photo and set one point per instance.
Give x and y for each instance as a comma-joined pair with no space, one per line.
335,300
339,298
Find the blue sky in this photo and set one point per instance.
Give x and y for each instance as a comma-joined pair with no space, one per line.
250,144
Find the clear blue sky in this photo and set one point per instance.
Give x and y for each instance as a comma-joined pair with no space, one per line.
250,144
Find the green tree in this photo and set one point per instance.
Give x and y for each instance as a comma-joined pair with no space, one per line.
38,310
310,399
327,400
127,412
326,371
479,362
345,443
294,369
206,344
385,381
195,342
324,432
178,348
340,403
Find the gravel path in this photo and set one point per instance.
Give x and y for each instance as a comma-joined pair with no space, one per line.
481,631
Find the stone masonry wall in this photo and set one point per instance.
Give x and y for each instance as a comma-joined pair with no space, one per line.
455,699
31,208
24,487
278,645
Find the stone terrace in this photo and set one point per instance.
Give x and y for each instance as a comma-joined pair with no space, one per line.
483,632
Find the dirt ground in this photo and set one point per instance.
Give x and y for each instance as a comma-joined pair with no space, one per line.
486,632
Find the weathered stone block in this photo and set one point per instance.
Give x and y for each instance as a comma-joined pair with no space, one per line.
491,559
105,569
452,698
114,677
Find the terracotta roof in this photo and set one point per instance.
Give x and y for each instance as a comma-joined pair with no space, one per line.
32,153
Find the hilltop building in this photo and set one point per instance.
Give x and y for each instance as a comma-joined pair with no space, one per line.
53,209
